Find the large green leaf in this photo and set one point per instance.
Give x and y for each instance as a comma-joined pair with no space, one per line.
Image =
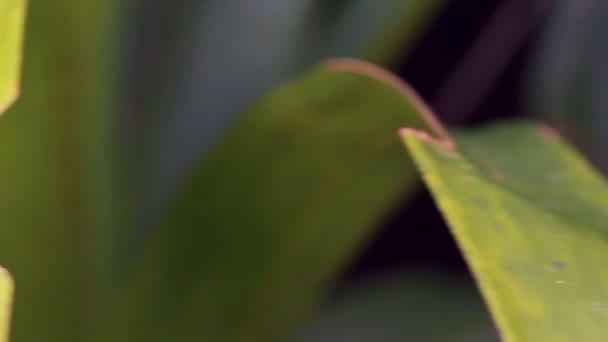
530,216
404,306
11,31
275,209
52,211
6,303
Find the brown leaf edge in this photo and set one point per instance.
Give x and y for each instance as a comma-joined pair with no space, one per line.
360,67
439,136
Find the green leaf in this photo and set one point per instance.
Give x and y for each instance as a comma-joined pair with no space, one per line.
53,219
12,13
530,217
404,306
277,207
219,72
6,303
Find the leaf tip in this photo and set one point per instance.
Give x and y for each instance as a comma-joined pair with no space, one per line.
386,77
426,137
6,280
547,131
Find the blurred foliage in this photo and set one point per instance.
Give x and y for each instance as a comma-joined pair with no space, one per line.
570,72
170,208
530,218
220,71
63,198
273,212
12,13
404,307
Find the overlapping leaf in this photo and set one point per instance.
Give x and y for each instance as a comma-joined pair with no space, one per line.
530,216
570,72
404,306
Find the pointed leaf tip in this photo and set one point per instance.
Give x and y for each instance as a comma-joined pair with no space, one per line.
390,79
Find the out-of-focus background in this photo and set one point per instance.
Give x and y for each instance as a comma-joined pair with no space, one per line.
473,61
190,69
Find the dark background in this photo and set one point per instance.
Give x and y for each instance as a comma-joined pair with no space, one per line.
416,235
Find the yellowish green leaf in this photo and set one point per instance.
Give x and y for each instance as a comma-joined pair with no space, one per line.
6,303
530,217
12,13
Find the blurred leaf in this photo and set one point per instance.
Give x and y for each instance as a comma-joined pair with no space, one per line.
223,70
11,29
530,216
52,164
405,307
6,303
379,30
570,72
276,208
220,72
